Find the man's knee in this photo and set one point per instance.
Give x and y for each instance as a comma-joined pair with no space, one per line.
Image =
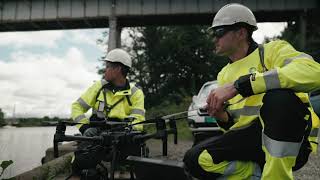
283,114
191,161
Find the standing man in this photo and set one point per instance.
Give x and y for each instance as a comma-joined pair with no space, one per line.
262,105
111,99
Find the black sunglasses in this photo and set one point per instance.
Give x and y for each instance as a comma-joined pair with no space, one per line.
221,31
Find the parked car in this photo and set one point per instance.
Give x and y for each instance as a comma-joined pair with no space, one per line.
202,126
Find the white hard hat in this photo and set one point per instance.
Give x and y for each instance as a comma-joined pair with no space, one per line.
119,55
234,13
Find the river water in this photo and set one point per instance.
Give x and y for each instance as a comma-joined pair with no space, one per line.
25,146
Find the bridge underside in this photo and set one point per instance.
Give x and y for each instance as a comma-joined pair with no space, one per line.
134,21
34,15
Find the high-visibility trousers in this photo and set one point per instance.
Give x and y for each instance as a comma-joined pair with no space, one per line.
265,149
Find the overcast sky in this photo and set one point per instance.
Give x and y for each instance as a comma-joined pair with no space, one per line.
43,72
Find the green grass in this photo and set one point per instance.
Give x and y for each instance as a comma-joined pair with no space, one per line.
167,108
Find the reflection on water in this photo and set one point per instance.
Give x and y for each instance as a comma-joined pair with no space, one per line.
26,146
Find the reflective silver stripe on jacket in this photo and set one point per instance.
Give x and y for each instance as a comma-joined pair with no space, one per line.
314,132
138,111
245,111
79,118
230,169
303,55
245,126
256,172
103,82
98,113
134,89
101,106
83,104
271,79
280,148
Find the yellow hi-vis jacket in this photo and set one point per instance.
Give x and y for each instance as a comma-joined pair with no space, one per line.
287,68
91,100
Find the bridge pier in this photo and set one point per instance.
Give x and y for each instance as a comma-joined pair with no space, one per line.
114,34
114,30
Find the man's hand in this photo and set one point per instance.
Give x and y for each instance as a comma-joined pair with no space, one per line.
218,97
90,132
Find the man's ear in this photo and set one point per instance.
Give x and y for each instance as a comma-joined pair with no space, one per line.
243,33
118,68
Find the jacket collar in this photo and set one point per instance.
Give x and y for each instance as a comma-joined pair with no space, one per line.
110,86
252,47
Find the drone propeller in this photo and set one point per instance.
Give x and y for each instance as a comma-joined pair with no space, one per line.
92,123
115,123
165,117
55,123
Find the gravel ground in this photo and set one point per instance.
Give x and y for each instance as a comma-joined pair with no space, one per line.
311,171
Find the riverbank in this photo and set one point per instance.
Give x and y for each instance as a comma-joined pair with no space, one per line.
34,122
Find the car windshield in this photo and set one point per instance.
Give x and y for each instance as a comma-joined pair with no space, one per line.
206,90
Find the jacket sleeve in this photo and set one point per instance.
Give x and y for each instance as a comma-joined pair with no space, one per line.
137,108
288,68
84,103
224,126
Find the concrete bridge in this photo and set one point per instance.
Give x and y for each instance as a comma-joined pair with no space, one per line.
31,15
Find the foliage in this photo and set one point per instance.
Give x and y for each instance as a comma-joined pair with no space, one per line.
45,121
4,165
2,122
166,108
173,62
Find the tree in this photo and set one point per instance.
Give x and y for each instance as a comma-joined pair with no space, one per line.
2,122
173,61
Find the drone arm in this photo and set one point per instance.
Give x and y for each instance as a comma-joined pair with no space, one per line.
143,138
62,137
173,130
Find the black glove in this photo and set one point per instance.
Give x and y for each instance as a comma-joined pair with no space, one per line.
83,128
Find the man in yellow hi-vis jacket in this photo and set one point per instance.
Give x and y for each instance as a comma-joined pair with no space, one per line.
112,98
261,103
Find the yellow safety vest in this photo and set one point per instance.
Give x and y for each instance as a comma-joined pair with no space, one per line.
133,106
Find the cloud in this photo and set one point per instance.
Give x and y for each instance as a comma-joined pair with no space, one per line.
50,39
85,36
27,39
268,30
44,84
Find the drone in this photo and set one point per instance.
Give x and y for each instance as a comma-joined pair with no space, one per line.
119,132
